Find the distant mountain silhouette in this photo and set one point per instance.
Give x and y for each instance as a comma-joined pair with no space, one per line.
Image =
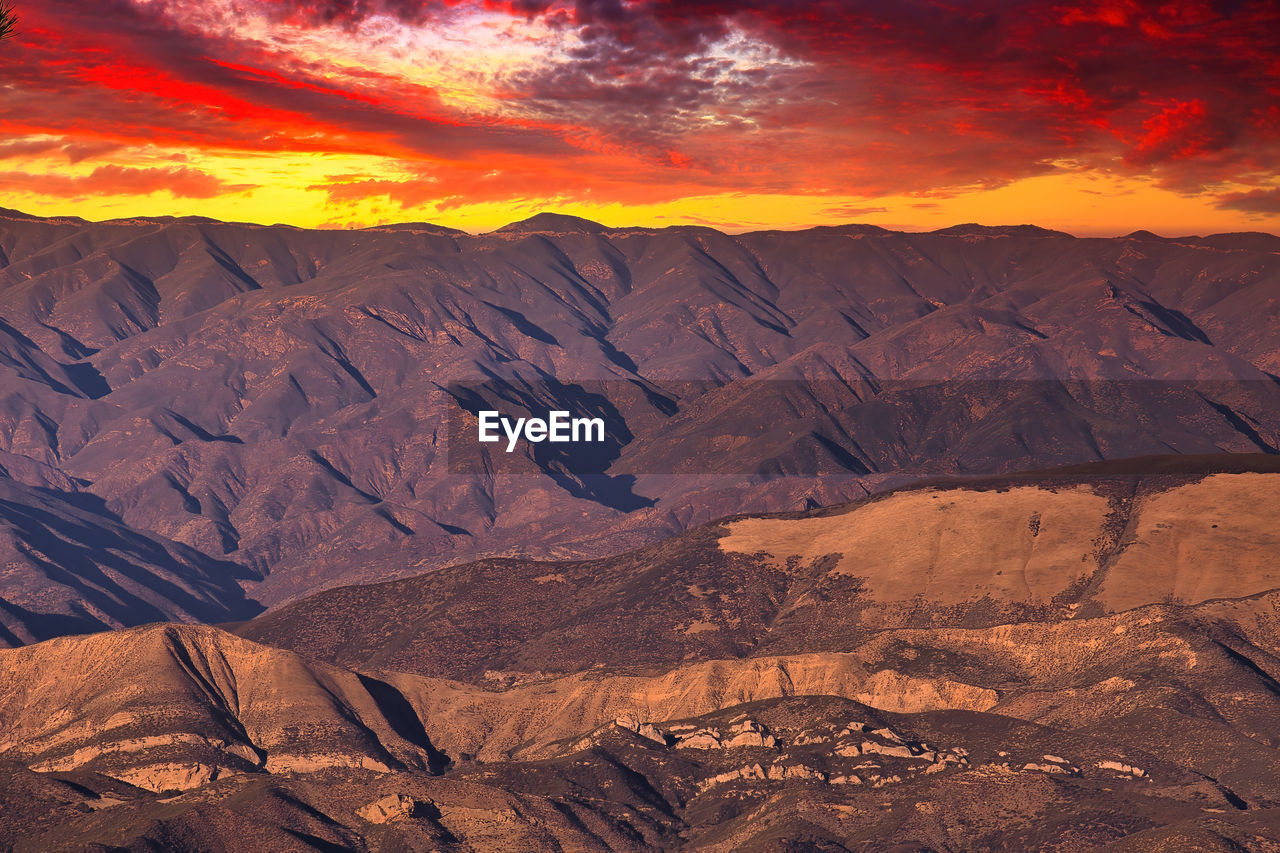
556,223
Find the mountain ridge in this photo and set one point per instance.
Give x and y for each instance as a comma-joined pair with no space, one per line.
545,218
279,398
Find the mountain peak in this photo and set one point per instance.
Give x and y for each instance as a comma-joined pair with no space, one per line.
415,228
559,223
973,229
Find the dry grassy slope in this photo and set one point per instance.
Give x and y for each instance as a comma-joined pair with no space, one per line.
1041,548
947,546
1206,540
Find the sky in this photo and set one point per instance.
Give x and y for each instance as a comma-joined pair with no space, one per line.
1097,118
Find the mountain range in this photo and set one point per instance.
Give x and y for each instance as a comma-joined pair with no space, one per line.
201,420
959,540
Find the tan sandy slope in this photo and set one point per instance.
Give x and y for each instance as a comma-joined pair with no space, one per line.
1210,539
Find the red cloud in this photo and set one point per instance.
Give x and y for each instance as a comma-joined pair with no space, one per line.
1180,131
840,96
179,181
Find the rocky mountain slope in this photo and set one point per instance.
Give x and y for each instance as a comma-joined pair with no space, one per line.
1087,658
68,565
283,399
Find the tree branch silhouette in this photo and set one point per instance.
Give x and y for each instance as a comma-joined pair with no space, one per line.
8,20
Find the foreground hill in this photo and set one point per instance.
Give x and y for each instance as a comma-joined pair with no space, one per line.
1160,741
197,704
281,399
760,684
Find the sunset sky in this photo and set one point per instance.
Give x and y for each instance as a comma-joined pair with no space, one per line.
1096,118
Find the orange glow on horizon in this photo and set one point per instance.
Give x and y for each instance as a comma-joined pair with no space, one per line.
473,115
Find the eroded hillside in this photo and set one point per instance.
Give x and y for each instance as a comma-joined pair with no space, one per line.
280,398
757,682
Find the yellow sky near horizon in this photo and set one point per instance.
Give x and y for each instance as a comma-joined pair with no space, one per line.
472,115
1086,205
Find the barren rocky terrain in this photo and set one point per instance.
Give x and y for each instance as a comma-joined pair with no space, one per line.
271,408
961,540
1075,659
